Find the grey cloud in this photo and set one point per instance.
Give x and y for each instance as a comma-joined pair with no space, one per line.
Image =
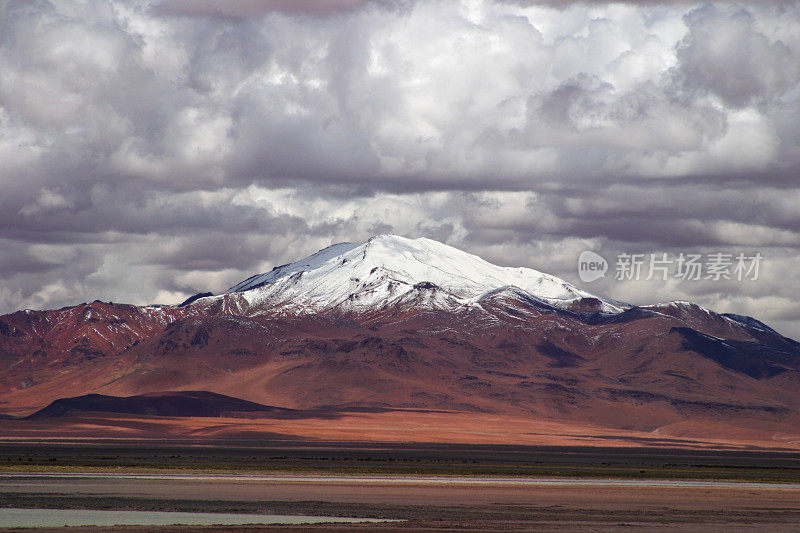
208,251
152,213
725,54
568,3
17,261
249,8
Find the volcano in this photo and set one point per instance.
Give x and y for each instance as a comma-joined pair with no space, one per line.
396,323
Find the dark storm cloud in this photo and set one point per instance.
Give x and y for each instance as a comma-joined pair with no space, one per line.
153,149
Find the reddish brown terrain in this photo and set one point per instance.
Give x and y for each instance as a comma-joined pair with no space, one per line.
410,326
674,370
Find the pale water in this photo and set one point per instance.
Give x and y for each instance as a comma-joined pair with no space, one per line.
90,517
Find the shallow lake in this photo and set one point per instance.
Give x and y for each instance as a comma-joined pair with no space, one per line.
90,517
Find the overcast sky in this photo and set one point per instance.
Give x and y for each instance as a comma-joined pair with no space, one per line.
152,150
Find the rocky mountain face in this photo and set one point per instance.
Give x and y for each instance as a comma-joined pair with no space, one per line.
404,323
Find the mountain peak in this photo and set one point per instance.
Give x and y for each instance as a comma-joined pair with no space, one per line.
388,268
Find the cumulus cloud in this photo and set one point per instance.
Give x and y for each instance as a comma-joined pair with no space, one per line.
154,149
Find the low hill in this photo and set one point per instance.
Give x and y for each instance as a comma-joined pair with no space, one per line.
181,403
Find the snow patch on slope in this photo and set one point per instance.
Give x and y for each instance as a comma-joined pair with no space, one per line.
309,263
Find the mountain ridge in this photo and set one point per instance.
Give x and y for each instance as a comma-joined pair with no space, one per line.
316,337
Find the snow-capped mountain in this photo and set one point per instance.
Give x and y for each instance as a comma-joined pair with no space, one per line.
414,323
388,268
